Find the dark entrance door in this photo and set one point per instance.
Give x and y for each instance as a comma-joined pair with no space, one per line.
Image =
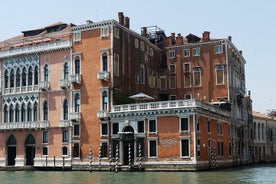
11,150
128,145
30,149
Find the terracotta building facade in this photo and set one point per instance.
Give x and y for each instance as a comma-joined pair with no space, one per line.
67,99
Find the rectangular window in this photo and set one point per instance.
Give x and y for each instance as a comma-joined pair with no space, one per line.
141,128
172,68
76,150
152,126
185,148
184,124
186,53
104,129
187,81
172,82
77,37
218,49
163,82
136,43
115,128
187,96
172,97
196,52
142,46
171,54
104,150
76,130
186,67
45,137
116,33
64,136
116,64
152,148
104,32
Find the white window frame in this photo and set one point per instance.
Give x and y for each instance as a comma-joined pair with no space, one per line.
189,143
116,67
218,49
142,45
184,68
185,86
101,143
47,137
104,31
107,132
102,90
74,130
217,74
180,127
186,95
74,58
174,66
165,81
77,36
136,43
171,54
112,128
138,126
172,96
107,55
170,83
116,33
156,128
200,77
156,142
186,51
196,51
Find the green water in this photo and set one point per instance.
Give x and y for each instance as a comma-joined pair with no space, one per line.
250,175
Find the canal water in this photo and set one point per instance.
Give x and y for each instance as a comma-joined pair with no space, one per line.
248,175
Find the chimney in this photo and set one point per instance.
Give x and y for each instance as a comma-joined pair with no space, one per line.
172,39
121,18
127,22
144,31
206,36
179,39
89,22
230,38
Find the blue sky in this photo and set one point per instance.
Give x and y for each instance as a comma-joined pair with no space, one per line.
251,23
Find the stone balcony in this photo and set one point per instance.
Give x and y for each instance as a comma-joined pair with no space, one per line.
44,85
64,123
103,114
75,79
103,75
75,116
24,125
63,83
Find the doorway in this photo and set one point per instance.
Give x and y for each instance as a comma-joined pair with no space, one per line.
30,149
11,150
128,145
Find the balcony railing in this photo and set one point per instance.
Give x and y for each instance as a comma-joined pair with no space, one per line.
36,48
76,78
63,83
102,114
24,125
103,75
74,116
44,85
64,123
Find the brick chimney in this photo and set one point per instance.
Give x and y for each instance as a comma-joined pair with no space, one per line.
121,18
179,39
206,36
126,22
230,38
172,39
144,31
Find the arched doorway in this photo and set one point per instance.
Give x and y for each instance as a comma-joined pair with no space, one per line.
30,149
11,150
128,145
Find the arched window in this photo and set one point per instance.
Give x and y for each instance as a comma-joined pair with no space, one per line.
5,113
219,74
77,102
77,65
35,111
45,111
36,76
104,100
30,76
64,150
11,113
65,109
46,73
29,112
23,113
197,76
104,62
17,77
24,77
12,79
65,71
6,79
17,113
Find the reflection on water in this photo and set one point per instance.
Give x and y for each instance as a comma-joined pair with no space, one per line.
249,175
